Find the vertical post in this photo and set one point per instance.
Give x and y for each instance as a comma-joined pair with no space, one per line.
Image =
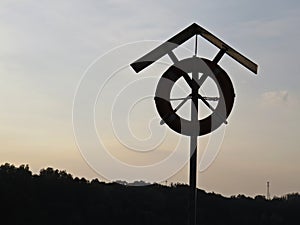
193,154
196,44
268,191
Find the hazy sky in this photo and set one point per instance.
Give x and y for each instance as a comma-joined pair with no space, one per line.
46,46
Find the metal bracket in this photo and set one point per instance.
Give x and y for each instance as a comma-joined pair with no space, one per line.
219,55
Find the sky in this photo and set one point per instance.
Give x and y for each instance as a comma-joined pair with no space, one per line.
47,46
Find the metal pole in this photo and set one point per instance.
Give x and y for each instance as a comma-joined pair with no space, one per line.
193,154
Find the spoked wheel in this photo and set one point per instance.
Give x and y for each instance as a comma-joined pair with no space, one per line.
218,114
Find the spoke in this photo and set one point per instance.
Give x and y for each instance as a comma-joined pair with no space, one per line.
177,99
191,82
202,79
211,98
212,109
175,110
206,103
195,83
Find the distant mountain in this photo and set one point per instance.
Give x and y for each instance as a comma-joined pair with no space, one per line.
55,197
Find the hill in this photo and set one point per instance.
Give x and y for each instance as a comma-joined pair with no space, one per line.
55,197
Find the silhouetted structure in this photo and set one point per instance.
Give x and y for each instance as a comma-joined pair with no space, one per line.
195,66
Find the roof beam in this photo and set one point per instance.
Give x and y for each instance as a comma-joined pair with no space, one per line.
185,35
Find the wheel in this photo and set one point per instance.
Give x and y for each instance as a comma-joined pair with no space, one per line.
218,115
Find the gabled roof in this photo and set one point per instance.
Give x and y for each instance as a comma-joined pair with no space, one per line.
185,35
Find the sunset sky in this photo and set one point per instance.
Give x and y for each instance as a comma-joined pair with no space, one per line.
46,46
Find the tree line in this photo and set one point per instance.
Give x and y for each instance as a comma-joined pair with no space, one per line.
56,197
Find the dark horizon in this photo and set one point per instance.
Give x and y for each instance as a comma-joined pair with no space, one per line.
55,196
136,183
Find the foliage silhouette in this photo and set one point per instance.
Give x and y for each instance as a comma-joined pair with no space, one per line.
55,197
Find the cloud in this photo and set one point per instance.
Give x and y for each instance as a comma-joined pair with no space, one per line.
275,97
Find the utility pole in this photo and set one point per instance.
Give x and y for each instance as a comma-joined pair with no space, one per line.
268,191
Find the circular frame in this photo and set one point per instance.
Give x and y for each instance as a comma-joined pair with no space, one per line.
181,69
